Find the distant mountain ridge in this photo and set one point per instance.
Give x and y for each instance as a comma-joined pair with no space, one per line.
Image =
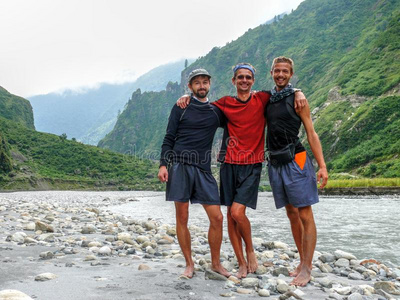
347,59
89,115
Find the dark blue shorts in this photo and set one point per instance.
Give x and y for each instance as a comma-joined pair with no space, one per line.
187,182
239,183
292,185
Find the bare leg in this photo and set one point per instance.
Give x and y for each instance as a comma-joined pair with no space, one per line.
236,241
182,231
215,237
309,242
297,230
238,212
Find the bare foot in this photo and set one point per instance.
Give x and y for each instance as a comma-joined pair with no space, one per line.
221,270
296,271
189,271
242,273
303,277
252,263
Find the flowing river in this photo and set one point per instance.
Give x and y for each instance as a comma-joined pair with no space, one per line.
365,226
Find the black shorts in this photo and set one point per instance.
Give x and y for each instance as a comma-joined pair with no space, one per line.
239,183
187,182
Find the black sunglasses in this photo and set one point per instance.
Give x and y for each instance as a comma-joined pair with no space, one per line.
248,77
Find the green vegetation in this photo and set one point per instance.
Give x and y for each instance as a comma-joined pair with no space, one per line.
46,161
16,109
5,160
347,61
365,182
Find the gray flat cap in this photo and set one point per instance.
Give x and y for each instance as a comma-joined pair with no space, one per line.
198,72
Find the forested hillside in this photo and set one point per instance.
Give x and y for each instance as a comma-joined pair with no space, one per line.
16,109
347,61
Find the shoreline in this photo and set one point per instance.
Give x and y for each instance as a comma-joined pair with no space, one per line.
97,254
360,191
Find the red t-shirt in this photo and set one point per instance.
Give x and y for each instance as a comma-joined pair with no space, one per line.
246,128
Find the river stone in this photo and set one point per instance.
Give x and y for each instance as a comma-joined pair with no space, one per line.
261,270
18,237
171,231
88,229
355,276
125,237
282,288
355,296
346,290
281,270
249,282
210,274
325,268
105,250
44,227
89,258
343,254
95,244
228,295
325,282
150,225
143,267
267,254
387,286
46,255
367,290
46,237
31,226
165,240
342,263
142,239
327,258
13,295
45,277
264,293
244,291
234,279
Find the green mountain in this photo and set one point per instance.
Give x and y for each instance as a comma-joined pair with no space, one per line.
347,57
88,115
31,160
16,109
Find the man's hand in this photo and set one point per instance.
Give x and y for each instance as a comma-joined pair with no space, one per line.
183,101
163,174
300,101
322,175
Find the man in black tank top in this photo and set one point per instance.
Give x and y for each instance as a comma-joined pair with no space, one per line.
293,180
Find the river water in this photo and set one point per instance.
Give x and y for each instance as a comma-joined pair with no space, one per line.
368,227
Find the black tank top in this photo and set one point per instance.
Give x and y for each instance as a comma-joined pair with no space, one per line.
283,125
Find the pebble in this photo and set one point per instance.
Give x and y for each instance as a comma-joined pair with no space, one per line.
143,267
244,291
13,295
45,277
105,250
355,276
355,296
342,263
210,274
387,286
282,288
264,293
44,227
249,282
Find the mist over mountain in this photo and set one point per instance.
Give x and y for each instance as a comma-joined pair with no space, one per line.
88,115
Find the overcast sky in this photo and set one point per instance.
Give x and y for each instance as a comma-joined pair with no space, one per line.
48,45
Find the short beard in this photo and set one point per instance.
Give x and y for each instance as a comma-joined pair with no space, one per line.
199,96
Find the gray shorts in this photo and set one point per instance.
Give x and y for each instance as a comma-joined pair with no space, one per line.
239,183
187,182
292,185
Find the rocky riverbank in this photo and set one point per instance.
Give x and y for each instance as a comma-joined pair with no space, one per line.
79,249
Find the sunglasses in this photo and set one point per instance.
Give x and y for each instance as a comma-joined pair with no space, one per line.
248,77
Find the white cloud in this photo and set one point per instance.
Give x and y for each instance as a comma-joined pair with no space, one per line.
51,44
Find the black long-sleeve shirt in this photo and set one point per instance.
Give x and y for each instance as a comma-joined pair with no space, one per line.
190,134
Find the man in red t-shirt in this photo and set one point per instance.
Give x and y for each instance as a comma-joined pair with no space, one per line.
241,157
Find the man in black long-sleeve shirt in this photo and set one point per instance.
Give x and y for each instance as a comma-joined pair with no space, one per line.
186,149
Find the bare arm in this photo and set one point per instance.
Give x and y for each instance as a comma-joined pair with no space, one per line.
315,145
